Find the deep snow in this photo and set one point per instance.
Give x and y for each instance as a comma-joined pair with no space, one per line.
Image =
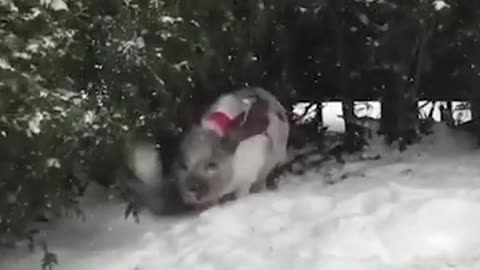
414,210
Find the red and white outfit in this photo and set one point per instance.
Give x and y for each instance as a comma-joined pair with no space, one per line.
247,116
262,131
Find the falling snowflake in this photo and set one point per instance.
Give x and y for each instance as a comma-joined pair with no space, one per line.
440,4
261,5
11,198
53,163
363,18
302,9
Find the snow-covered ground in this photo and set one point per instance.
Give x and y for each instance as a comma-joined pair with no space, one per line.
414,210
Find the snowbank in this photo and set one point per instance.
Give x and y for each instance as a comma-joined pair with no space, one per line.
414,210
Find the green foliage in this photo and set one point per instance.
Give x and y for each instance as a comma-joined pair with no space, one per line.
75,83
42,121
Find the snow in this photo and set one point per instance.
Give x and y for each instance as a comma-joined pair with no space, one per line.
34,123
5,65
89,117
419,209
59,5
364,19
140,42
53,163
22,55
367,109
440,4
9,4
56,5
170,20
332,111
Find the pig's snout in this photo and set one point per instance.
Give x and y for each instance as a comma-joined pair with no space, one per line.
197,187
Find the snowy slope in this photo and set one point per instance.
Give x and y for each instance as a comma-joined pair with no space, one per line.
414,210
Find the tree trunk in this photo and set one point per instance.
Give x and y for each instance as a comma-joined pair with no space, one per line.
400,104
475,83
475,99
337,7
389,122
319,114
410,129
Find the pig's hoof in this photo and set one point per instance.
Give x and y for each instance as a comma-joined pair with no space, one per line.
258,187
227,198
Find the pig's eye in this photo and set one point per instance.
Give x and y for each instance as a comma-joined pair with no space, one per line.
211,166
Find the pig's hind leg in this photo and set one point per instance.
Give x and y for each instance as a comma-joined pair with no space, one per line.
251,158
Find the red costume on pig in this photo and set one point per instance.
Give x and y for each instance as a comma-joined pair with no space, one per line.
247,117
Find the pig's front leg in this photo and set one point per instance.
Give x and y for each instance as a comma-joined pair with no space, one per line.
242,191
260,185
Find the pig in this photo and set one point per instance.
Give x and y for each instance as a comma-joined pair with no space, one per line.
231,151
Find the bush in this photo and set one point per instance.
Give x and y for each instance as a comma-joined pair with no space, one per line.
77,79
